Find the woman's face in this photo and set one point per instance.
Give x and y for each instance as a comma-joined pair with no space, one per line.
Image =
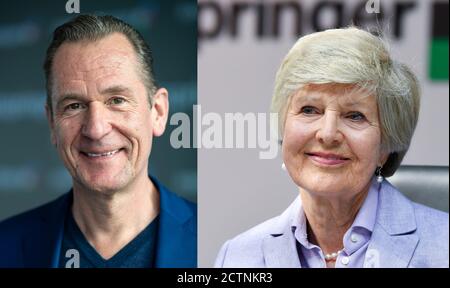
332,140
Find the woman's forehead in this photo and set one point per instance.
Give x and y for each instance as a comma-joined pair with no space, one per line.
346,94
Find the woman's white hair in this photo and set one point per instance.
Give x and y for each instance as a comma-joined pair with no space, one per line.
354,56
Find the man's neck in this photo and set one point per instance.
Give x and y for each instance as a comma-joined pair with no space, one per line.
110,221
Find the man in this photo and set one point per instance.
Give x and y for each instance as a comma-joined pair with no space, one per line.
103,109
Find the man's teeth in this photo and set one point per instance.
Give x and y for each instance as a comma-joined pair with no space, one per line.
103,154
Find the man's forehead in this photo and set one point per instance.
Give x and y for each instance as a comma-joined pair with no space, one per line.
91,69
112,52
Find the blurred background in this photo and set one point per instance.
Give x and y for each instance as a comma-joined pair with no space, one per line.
30,170
241,45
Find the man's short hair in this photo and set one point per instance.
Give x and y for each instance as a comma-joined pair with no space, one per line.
93,28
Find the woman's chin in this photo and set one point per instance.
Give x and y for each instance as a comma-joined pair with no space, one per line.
323,187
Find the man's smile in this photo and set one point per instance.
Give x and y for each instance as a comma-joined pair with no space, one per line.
101,154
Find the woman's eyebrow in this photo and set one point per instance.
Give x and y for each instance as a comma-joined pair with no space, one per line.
307,98
355,103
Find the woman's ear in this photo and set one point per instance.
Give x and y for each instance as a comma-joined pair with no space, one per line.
160,111
383,158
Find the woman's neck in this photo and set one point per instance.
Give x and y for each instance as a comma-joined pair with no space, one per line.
329,218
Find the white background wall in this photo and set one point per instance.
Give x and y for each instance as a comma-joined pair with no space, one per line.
237,190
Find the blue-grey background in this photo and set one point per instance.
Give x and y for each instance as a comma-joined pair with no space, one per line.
30,170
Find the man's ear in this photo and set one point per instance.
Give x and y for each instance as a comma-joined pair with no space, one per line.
48,112
160,111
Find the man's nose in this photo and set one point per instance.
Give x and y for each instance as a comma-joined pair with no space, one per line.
96,122
328,132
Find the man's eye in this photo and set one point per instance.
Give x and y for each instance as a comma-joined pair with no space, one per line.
117,101
308,110
73,106
356,116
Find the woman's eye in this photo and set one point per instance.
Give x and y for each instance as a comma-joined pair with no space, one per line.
117,101
356,116
308,110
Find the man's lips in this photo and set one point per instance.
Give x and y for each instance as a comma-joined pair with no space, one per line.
100,154
327,158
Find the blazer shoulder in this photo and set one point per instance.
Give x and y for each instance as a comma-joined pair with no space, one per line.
37,225
246,249
425,213
29,219
432,224
433,231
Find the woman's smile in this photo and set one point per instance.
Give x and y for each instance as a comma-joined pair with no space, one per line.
323,159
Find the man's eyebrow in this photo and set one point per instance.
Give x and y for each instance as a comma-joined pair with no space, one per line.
69,96
118,89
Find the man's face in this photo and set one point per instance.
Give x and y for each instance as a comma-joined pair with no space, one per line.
102,122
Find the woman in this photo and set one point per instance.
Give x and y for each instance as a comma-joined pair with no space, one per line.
347,113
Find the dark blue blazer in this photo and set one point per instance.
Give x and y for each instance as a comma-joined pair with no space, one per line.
33,239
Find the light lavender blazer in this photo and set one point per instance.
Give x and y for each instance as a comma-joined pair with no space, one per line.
406,234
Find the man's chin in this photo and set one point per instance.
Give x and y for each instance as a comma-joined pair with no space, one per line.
103,185
106,189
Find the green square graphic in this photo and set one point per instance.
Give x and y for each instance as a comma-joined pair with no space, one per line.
438,68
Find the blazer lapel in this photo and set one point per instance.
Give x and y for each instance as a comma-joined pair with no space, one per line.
176,244
390,251
280,247
280,251
393,239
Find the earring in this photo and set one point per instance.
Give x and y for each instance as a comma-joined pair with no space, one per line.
378,174
283,167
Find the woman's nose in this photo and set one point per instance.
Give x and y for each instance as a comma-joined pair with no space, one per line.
96,122
328,132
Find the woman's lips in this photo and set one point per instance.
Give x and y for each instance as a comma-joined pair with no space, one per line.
327,158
